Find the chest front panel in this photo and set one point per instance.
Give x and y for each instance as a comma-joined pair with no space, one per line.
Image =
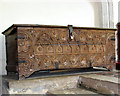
52,48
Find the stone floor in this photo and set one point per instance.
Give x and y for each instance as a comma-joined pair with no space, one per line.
88,82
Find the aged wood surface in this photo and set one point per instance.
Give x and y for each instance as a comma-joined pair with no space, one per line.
11,50
32,48
52,48
50,26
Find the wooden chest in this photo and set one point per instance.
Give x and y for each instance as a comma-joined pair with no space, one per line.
33,48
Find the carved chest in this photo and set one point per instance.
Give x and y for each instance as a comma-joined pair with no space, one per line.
33,48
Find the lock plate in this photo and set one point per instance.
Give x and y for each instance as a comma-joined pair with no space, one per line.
70,31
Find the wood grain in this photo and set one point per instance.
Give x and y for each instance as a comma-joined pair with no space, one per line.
47,48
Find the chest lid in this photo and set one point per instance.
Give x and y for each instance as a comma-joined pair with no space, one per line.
15,26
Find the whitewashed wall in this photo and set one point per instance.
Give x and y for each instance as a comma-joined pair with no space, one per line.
81,13
119,11
116,3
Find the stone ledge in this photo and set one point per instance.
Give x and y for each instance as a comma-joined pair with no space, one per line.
101,82
41,86
105,84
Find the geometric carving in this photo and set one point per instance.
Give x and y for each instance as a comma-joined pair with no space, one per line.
84,48
74,60
39,49
54,33
110,58
100,48
83,61
25,68
67,49
65,63
110,36
101,39
76,35
92,48
75,49
46,63
83,38
54,36
59,49
50,49
24,48
45,37
89,37
110,45
24,42
63,37
66,53
96,37
97,60
51,36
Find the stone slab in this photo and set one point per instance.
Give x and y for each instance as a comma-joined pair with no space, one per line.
74,91
41,86
101,82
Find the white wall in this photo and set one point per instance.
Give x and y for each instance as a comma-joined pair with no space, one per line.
115,9
45,12
48,12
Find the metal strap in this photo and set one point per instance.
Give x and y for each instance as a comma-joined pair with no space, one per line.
113,39
57,65
113,58
20,37
21,61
